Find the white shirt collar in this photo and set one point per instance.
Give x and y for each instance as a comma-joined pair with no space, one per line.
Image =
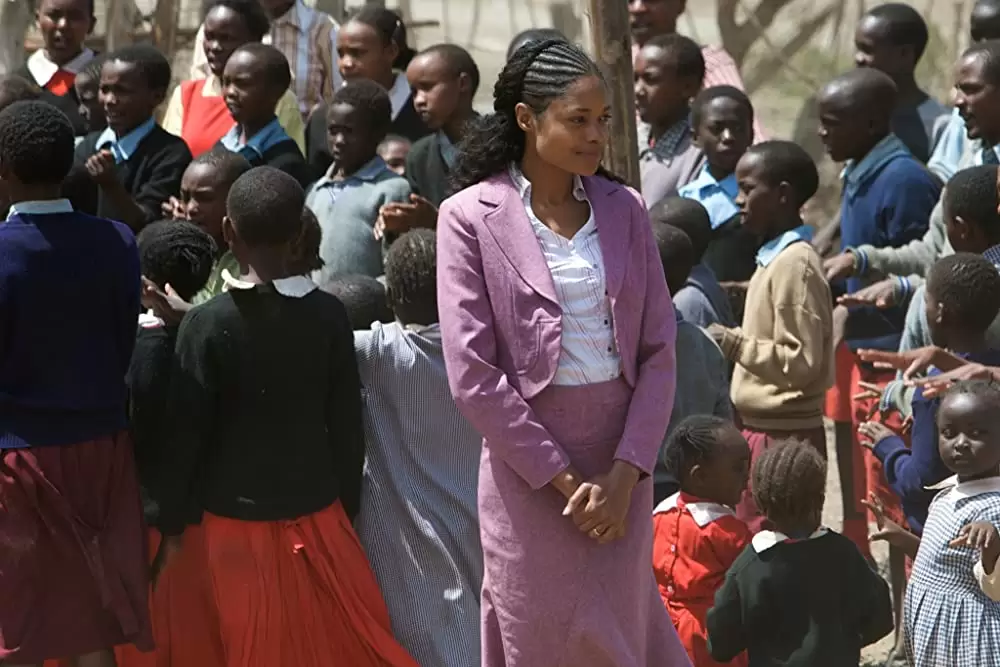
399,94
44,207
43,69
150,320
766,539
294,287
703,513
523,185
967,489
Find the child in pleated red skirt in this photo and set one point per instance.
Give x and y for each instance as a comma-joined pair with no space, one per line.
73,562
266,439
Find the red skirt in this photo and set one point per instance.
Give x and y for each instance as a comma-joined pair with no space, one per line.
298,593
73,560
185,621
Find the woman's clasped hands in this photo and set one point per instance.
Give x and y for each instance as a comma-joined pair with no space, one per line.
599,506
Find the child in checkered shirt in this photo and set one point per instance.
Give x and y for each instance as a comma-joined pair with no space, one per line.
951,616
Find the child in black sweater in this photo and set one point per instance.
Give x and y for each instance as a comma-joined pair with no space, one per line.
266,440
254,81
800,595
133,166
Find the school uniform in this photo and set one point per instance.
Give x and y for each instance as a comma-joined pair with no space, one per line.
406,122
947,618
347,209
150,162
418,521
271,146
732,249
695,541
185,625
216,284
57,82
257,367
429,164
197,113
668,162
783,352
799,603
72,554
558,351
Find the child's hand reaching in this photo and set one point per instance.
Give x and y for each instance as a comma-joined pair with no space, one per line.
981,535
174,209
873,433
888,530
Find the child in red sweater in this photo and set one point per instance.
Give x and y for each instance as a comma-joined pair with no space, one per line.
696,535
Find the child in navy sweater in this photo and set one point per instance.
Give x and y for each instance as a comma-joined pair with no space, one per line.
70,513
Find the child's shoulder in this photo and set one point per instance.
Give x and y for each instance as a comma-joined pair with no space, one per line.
907,169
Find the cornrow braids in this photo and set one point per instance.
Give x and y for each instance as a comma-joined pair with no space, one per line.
789,484
411,277
692,443
177,253
536,74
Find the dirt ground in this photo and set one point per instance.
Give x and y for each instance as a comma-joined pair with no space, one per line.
833,517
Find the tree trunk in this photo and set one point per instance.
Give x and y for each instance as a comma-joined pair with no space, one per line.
15,19
612,48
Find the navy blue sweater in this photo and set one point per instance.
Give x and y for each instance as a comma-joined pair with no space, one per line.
890,208
69,299
910,470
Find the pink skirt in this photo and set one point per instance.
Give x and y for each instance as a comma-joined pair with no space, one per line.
73,561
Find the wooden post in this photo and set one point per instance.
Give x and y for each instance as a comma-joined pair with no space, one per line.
612,48
15,19
165,23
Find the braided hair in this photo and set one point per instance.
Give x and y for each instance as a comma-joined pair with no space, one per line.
411,277
789,485
536,75
692,443
177,253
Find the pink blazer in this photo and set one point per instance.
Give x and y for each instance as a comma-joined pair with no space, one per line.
501,323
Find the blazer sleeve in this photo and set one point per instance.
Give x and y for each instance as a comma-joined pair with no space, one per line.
656,366
482,391
164,180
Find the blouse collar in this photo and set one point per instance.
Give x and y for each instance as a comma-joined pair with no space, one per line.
294,287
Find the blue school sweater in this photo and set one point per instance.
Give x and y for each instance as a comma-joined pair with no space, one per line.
69,299
910,470
887,202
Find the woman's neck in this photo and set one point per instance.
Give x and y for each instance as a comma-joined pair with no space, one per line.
550,185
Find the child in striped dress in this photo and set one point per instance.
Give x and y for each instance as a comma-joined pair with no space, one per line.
948,618
418,521
696,535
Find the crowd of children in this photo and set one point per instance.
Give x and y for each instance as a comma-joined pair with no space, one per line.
359,376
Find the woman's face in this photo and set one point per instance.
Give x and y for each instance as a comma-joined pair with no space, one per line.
573,131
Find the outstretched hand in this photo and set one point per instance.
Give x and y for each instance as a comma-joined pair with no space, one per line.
881,295
913,362
937,384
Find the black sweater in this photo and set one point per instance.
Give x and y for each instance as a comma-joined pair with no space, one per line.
148,385
265,409
69,103
152,175
286,156
813,603
407,124
427,171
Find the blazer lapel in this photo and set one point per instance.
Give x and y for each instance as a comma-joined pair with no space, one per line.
613,233
509,224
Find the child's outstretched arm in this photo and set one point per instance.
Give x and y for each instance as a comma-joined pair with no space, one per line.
890,531
984,536
727,633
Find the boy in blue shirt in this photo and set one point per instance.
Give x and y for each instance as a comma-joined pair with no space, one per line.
135,164
722,120
887,200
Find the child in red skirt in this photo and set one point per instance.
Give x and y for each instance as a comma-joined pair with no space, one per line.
73,564
696,535
266,438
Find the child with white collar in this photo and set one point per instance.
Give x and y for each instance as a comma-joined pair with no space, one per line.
799,595
696,534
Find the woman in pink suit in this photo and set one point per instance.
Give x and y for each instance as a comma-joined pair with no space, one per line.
558,336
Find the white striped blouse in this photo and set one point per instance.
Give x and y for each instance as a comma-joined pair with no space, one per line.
589,352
